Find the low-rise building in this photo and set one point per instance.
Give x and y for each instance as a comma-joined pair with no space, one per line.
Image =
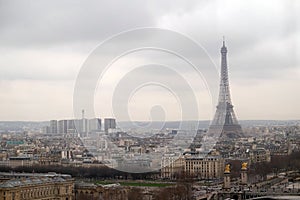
260,155
85,191
197,166
17,186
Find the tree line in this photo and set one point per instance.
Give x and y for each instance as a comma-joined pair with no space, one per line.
93,172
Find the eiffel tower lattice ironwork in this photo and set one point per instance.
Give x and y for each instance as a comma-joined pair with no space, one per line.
225,122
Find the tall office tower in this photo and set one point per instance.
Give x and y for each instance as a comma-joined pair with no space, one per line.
78,127
71,129
46,129
225,121
62,126
81,127
94,125
109,123
71,124
84,125
53,126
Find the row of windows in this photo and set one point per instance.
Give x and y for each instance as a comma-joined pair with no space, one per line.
101,195
37,192
203,166
199,162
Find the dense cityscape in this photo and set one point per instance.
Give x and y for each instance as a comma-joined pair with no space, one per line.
88,158
271,153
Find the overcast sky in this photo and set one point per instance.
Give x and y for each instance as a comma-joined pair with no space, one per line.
43,45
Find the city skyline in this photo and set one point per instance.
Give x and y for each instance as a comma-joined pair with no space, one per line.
156,100
41,57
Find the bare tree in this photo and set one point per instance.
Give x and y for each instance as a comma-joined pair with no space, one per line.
135,194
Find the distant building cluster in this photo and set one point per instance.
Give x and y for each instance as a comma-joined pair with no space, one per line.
79,127
37,148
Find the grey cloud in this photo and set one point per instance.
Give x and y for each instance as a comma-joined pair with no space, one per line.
52,22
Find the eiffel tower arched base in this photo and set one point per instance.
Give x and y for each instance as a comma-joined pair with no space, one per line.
230,131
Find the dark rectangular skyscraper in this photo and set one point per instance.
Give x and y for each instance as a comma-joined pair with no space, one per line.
109,123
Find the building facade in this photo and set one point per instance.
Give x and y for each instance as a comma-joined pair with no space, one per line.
109,123
94,125
53,126
200,167
41,186
260,155
84,191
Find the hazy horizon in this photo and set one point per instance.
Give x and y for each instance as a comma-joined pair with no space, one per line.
242,120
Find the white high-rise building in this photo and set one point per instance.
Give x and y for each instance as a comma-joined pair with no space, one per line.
53,126
62,126
94,125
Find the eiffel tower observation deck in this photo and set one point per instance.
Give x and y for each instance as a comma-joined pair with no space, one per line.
225,123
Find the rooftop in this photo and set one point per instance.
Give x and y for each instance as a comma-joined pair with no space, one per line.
29,181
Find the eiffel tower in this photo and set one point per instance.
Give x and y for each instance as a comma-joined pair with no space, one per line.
225,123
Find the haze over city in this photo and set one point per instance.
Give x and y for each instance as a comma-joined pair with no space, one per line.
149,100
